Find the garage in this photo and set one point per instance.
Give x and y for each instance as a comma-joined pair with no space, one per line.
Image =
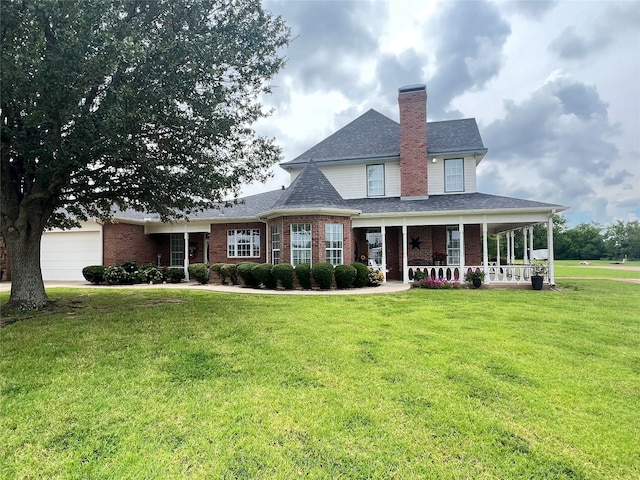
63,254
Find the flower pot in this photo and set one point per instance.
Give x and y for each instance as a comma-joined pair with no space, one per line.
536,282
476,282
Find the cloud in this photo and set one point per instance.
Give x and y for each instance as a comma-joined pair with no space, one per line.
394,71
470,37
535,9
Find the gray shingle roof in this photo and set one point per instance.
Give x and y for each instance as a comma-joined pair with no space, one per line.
373,135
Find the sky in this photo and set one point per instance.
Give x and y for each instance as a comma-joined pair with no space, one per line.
553,85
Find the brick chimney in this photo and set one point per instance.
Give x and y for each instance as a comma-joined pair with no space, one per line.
412,101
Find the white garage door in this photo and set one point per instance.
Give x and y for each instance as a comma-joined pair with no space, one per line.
63,255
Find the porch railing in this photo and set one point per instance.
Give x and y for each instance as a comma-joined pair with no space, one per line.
500,274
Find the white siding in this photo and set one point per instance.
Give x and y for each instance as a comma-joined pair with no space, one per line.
436,177
469,175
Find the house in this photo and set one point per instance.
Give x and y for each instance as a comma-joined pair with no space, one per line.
399,195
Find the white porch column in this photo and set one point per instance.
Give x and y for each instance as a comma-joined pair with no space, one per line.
383,231
513,247
508,240
485,250
462,257
531,244
498,249
405,254
525,249
552,279
186,255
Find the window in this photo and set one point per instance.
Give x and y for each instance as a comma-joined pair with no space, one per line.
275,245
374,244
300,243
454,175
333,243
243,243
176,257
375,180
453,246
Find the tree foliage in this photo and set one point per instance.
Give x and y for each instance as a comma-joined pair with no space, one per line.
129,103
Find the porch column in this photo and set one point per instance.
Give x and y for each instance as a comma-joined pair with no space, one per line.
508,240
513,247
525,257
383,231
498,249
485,250
462,258
405,254
186,255
552,279
531,244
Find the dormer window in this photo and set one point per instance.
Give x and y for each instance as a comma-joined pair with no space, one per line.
375,180
454,175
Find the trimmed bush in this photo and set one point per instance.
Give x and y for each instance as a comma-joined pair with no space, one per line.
152,274
375,277
303,274
230,270
283,273
93,274
130,266
323,275
200,272
262,274
174,275
362,275
117,275
345,275
217,269
244,272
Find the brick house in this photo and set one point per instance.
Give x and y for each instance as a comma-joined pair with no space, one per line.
401,196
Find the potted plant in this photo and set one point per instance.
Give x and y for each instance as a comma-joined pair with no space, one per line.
439,258
538,272
475,277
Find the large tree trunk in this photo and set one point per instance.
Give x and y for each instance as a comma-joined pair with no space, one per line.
27,286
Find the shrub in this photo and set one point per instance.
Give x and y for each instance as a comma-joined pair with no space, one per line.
419,275
244,272
283,273
262,275
130,266
323,275
152,274
200,272
362,275
375,277
93,274
117,275
217,269
174,275
303,274
345,275
437,283
230,270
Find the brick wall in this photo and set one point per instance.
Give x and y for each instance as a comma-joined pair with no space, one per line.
423,255
472,244
412,102
125,241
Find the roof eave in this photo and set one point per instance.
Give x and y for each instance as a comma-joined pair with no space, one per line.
484,211
280,212
339,161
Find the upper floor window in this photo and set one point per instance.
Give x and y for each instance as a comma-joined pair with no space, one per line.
275,244
454,175
300,243
334,243
243,243
375,180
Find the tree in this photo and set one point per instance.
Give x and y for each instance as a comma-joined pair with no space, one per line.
623,239
142,104
583,242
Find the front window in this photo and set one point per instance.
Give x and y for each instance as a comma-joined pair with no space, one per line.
177,250
375,180
300,243
333,243
374,243
275,244
454,175
453,246
244,243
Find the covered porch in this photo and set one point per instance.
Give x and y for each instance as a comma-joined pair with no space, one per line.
449,247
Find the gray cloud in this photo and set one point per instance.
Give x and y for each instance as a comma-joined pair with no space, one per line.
394,71
470,37
530,8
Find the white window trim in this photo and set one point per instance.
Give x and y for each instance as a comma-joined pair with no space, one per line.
334,249
310,249
255,232
275,230
176,240
452,252
446,183
369,194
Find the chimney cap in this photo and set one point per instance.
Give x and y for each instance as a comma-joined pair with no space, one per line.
418,87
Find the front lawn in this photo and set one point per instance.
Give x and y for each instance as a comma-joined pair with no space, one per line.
155,383
596,268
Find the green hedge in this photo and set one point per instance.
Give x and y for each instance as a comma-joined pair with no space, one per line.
244,272
323,275
199,272
362,275
93,274
345,275
303,274
174,275
283,273
262,275
230,271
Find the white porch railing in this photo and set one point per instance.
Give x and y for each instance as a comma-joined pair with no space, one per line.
499,274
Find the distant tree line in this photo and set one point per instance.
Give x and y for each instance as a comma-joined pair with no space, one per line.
585,241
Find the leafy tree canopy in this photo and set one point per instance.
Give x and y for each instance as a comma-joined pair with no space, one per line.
142,104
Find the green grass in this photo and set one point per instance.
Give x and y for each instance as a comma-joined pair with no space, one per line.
597,269
425,384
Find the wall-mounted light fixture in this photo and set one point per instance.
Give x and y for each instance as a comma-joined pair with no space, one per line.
434,159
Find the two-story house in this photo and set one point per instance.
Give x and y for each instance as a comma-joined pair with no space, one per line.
401,196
